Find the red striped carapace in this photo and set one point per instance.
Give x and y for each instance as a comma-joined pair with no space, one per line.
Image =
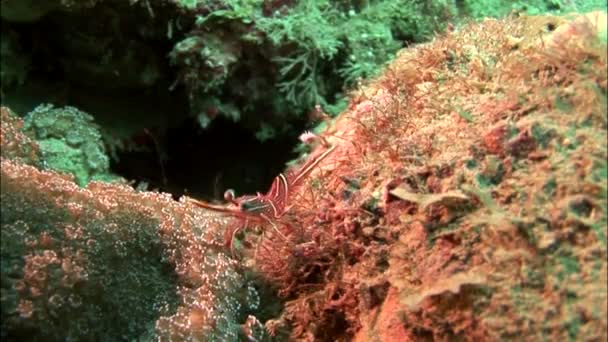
268,207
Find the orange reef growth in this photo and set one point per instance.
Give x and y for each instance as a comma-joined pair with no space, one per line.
465,199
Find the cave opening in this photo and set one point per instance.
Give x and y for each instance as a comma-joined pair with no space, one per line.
203,163
154,141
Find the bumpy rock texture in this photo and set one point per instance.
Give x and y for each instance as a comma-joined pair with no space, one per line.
467,199
106,262
69,142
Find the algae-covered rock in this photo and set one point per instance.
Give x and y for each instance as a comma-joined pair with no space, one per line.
73,269
465,197
70,142
106,262
109,263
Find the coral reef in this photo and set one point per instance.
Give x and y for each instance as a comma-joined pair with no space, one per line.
108,263
142,68
307,50
467,199
264,63
463,197
69,141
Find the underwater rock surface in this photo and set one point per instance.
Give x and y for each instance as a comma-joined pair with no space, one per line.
106,262
465,198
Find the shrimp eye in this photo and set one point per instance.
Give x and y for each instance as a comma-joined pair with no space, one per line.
229,195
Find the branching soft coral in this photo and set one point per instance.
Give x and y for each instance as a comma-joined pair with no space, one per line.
294,55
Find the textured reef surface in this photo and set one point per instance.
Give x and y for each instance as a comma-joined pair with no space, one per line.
106,262
467,199
464,198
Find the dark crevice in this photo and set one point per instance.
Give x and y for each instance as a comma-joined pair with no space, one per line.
205,163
